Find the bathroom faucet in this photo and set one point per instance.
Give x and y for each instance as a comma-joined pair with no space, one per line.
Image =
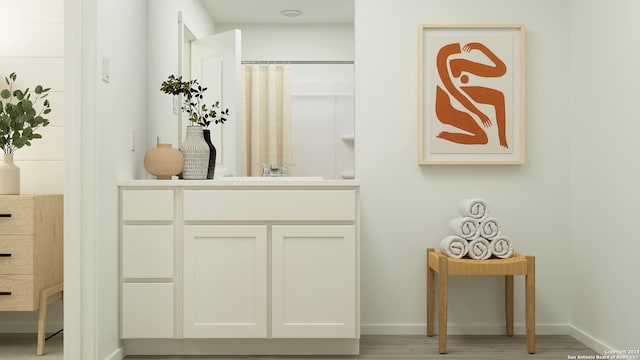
275,170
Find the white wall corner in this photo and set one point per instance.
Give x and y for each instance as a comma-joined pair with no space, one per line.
589,340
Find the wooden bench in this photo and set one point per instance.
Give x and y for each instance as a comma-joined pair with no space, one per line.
445,266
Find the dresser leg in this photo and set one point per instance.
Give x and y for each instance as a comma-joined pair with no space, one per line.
47,296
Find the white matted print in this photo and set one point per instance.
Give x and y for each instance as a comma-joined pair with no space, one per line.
471,94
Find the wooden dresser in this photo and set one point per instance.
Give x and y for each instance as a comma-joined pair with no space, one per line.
31,252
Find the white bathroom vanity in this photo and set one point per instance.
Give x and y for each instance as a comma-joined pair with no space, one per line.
239,266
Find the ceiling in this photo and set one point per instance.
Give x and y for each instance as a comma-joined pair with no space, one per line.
268,11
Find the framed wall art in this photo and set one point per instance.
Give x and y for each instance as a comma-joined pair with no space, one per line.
471,94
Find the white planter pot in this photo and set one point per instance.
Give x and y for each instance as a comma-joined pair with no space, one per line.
196,154
10,176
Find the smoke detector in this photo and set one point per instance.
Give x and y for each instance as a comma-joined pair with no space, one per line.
291,12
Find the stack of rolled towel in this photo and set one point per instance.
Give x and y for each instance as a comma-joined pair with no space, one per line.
476,234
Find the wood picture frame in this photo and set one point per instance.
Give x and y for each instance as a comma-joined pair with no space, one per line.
471,94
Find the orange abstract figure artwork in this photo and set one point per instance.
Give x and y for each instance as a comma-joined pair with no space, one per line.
471,94
468,96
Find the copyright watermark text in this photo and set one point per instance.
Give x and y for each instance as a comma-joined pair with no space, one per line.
609,355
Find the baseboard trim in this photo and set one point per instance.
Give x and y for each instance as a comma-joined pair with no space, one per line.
454,329
118,354
28,327
245,347
589,340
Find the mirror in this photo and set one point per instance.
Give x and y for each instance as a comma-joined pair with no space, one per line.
318,47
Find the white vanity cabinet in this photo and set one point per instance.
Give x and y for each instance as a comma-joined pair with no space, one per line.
147,263
240,268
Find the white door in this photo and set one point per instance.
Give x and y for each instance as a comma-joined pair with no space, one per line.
215,63
313,279
225,281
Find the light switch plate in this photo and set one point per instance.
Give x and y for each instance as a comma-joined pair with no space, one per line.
106,69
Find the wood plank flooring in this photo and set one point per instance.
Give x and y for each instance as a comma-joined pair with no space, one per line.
459,347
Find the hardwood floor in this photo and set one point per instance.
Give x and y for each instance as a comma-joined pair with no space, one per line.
461,347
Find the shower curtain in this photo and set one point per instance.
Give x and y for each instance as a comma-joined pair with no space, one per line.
265,127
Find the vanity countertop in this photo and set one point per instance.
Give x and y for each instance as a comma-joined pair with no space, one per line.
244,182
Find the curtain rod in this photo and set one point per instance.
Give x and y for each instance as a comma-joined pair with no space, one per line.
296,62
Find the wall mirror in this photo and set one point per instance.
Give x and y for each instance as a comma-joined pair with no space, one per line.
314,41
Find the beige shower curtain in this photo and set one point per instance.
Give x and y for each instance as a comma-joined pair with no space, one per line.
265,127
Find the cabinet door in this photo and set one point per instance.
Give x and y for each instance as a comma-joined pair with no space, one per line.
314,282
225,281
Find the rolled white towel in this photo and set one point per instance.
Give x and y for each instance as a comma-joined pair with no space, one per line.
502,247
480,249
465,227
490,228
454,246
475,208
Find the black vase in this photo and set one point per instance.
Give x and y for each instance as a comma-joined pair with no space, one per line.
212,153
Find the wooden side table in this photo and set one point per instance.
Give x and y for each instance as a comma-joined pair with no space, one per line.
516,265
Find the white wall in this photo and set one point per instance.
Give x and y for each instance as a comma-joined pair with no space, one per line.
120,110
308,42
162,55
37,57
406,208
604,171
321,114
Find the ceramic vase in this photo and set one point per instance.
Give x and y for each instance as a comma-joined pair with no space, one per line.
212,153
9,176
196,154
164,161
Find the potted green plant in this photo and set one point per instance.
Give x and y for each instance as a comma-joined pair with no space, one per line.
21,116
192,92
197,165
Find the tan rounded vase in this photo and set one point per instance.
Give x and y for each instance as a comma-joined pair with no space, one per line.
9,176
164,161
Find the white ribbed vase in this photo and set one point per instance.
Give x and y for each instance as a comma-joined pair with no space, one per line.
9,176
196,154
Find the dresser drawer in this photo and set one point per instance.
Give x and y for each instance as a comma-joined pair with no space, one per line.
16,254
270,205
147,205
16,293
16,215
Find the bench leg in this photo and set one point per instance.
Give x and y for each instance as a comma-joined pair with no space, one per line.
530,304
430,296
443,279
508,303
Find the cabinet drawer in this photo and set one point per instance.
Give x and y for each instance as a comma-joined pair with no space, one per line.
147,251
16,214
16,293
147,311
270,205
16,255
147,205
